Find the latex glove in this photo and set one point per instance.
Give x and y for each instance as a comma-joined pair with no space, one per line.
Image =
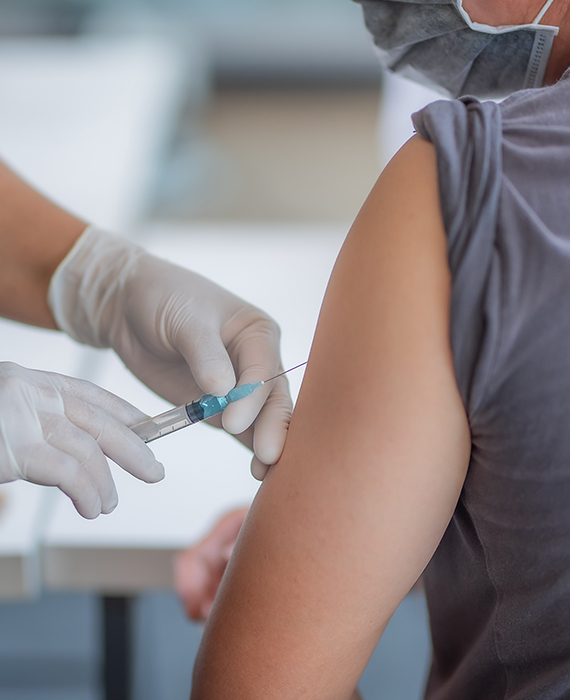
179,333
56,431
198,570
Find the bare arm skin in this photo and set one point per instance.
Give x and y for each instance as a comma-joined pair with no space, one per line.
373,466
35,236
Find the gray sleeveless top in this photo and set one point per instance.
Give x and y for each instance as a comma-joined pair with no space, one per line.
498,586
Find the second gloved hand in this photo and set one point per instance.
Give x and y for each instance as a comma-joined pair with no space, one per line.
179,333
56,431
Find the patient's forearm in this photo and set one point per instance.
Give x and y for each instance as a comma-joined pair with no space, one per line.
35,235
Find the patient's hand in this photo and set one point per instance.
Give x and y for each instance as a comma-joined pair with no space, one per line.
198,570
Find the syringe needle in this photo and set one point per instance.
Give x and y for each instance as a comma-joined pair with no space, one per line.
282,373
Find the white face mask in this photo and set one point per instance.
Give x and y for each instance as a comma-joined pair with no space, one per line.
436,43
542,45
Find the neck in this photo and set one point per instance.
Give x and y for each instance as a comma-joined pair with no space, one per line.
560,56
498,13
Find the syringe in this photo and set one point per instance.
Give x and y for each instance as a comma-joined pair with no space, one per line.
196,411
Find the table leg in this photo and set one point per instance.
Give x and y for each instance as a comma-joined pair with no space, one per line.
117,658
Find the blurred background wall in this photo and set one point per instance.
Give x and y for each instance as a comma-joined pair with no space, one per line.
280,108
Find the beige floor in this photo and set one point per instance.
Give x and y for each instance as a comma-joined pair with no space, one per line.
291,155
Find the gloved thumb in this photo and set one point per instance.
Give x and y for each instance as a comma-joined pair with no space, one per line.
204,351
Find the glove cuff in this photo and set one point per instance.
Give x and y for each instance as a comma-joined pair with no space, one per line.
84,288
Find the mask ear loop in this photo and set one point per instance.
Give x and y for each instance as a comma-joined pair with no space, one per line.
544,10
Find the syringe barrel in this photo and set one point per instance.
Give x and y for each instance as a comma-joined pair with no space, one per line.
169,422
187,414
180,417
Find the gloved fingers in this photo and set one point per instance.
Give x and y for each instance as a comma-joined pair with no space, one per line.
256,354
246,438
48,466
202,348
266,437
89,393
117,441
240,415
258,469
272,423
68,438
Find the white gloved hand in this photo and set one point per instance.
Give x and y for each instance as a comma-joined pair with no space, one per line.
179,333
56,431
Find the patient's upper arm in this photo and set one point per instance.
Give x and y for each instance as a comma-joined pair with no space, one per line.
374,463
